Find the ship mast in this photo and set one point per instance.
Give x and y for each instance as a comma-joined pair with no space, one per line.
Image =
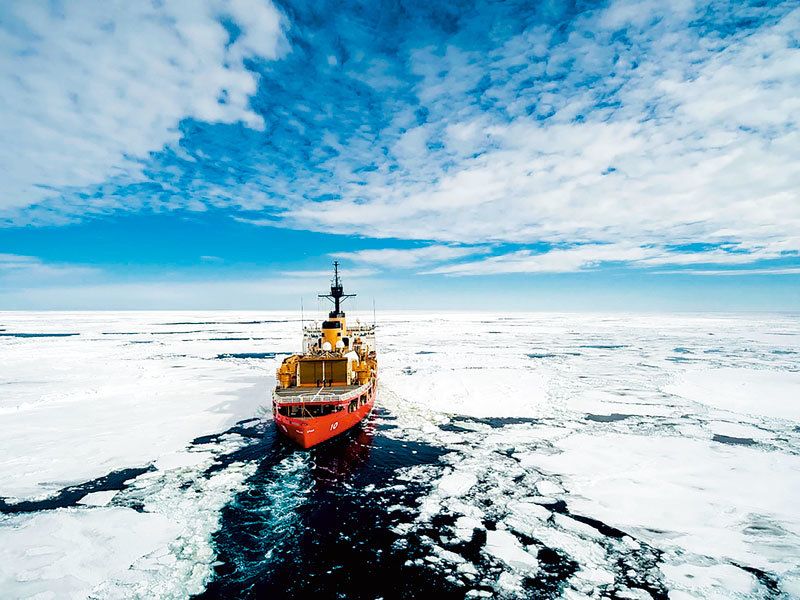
337,295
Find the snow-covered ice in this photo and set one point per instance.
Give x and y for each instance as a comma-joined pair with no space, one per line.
66,553
129,390
767,393
457,483
687,494
627,455
674,439
505,547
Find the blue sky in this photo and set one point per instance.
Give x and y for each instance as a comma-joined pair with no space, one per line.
621,155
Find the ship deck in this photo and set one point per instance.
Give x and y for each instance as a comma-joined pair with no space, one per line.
315,394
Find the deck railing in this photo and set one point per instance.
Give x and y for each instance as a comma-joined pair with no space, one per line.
318,397
357,329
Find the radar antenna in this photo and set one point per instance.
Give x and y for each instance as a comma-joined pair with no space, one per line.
337,295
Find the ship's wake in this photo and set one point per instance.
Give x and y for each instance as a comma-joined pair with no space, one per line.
384,513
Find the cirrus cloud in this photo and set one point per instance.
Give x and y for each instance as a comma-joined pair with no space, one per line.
407,258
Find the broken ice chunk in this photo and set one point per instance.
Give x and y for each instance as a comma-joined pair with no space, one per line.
528,510
457,483
548,488
504,546
98,498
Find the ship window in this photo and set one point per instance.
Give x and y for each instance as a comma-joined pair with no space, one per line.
318,410
353,404
300,411
294,412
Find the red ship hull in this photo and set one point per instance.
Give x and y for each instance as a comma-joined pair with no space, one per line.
308,432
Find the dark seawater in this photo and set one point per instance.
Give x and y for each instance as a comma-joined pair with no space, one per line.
319,522
607,418
37,335
729,439
251,355
335,522
71,495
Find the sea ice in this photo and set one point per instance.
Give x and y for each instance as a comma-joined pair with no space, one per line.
622,426
69,551
457,483
709,581
80,407
611,418
766,393
528,510
98,498
504,546
693,493
465,527
548,488
76,408
596,577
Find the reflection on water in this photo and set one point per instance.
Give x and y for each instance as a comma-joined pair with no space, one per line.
338,461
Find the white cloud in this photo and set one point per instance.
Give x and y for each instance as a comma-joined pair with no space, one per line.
328,274
553,261
89,91
785,271
19,270
16,261
406,258
614,148
731,256
28,282
588,256
699,145
253,292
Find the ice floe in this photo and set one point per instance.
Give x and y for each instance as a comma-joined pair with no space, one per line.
457,483
685,494
66,553
77,407
503,546
767,393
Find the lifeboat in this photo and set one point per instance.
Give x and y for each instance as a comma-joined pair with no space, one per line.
331,386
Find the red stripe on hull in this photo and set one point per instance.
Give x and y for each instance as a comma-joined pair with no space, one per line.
315,430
